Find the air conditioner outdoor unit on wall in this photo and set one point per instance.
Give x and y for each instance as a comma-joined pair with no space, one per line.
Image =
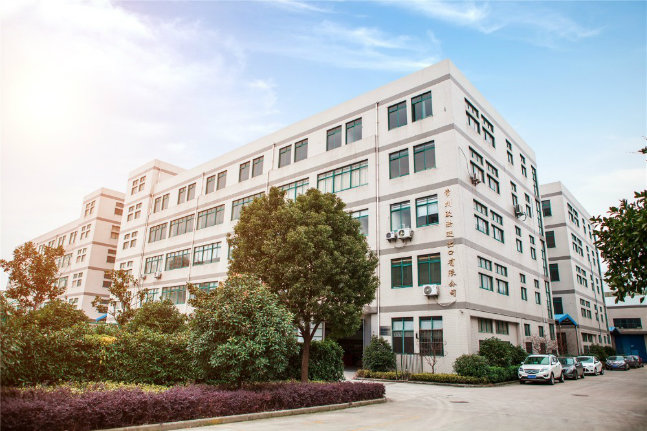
405,233
474,180
391,236
430,290
158,274
518,211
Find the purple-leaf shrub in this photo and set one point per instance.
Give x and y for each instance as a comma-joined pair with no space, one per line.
62,409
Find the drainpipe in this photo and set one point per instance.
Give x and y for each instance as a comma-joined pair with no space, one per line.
377,210
195,227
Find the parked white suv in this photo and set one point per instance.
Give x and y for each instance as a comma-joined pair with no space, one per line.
544,368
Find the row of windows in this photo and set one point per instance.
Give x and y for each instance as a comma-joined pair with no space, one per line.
486,281
486,218
203,254
353,133
487,326
430,335
426,213
428,271
420,108
424,157
479,167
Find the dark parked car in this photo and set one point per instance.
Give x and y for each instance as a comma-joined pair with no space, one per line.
632,361
640,361
571,367
617,363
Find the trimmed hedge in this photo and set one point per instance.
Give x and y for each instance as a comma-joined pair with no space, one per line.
422,377
471,365
63,410
378,355
326,364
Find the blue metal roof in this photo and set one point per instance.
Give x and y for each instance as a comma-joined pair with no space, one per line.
565,319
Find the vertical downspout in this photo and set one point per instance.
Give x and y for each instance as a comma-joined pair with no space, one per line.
377,212
195,226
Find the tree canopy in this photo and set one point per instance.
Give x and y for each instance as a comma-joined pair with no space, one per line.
158,316
125,293
622,240
310,252
33,275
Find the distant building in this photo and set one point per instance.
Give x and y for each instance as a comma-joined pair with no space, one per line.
627,323
90,244
445,191
575,273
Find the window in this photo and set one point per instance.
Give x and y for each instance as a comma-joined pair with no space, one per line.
399,163
243,172
427,211
207,286
477,165
401,273
175,294
181,226
484,263
130,240
537,298
344,178
546,210
353,131
211,181
77,279
257,166
577,245
85,232
153,264
237,205
119,208
397,115
181,195
402,335
62,282
190,191
295,189
628,323
66,260
502,287
222,180
157,233
501,270
431,336
211,216
285,156
161,203
550,239
524,293
472,117
400,215
89,208
519,246
301,150
362,217
554,272
485,326
177,259
424,156
429,269
526,329
165,200
134,212
502,327
497,232
80,254
492,177
333,138
421,106
485,282
541,331
114,232
573,215
533,253
138,185
208,253
558,306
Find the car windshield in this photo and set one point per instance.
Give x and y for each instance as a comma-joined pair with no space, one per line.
536,360
615,358
585,359
566,361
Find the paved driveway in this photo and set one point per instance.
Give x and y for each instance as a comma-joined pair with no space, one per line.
615,401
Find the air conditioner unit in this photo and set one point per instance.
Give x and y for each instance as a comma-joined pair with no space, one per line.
430,290
405,233
158,274
518,211
391,236
474,180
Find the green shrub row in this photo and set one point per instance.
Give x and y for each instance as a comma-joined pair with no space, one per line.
422,377
478,366
326,362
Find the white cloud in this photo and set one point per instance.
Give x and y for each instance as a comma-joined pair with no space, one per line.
91,91
298,6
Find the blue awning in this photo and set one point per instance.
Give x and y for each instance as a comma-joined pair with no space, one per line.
102,317
565,319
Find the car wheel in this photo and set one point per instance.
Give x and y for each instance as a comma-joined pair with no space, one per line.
595,371
577,375
521,382
582,373
626,367
561,378
552,379
602,372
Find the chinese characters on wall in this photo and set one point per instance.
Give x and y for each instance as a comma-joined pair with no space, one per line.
449,234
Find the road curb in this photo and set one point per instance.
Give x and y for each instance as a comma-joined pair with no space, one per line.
457,385
245,417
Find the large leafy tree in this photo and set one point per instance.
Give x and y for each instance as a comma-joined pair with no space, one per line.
240,333
126,294
622,240
311,253
33,275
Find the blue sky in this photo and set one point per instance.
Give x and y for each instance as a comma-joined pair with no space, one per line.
94,89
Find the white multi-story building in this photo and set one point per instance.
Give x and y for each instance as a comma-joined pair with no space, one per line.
445,191
575,273
90,244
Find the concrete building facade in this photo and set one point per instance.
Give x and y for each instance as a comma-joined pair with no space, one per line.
575,272
446,193
90,244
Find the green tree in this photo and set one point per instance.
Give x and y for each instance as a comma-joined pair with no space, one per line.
240,333
378,355
158,316
57,315
622,241
501,353
33,275
125,293
311,253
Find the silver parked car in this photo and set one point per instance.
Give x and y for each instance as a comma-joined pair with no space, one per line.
592,365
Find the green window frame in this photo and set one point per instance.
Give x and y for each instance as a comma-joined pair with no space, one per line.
175,294
546,208
424,156
550,239
502,287
257,166
485,326
427,211
498,234
541,331
429,271
519,246
238,205
482,225
210,183
178,259
502,327
344,178
524,293
222,180
208,286
150,295
353,131
397,115
333,138
243,172
421,106
401,273
295,189
362,217
431,336
526,329
402,335
190,192
399,163
553,271
300,150
486,282
400,215
181,226
157,233
153,264
208,253
537,298
285,156
484,263
211,217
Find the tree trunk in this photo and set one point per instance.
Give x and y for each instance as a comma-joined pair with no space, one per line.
305,355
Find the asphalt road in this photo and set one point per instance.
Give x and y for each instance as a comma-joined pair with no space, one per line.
615,401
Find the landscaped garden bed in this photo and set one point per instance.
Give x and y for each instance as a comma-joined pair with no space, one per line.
99,406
